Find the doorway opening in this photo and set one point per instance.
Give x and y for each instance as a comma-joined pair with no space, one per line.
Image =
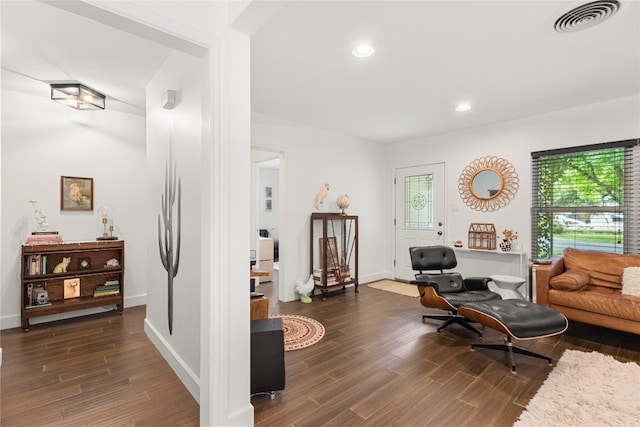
265,216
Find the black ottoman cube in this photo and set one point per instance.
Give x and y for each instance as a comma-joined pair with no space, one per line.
267,356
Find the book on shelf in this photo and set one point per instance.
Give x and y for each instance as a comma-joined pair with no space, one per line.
36,265
32,265
333,276
107,288
110,287
98,294
44,238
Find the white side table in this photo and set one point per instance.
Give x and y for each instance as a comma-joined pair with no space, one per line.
508,286
478,262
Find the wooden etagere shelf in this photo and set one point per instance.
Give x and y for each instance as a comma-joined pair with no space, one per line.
92,265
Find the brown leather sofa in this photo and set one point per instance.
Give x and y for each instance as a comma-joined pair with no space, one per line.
586,286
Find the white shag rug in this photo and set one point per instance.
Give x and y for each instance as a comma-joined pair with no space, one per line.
586,390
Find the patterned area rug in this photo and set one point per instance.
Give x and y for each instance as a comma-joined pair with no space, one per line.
300,331
586,389
395,287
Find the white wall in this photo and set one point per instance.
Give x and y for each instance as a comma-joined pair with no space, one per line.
224,306
514,140
42,141
224,381
312,157
363,170
174,139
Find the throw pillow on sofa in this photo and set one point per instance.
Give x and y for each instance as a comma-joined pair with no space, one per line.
570,280
631,281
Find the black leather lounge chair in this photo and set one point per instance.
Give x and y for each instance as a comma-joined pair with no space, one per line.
446,290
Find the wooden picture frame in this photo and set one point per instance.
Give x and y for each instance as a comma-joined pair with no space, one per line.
76,194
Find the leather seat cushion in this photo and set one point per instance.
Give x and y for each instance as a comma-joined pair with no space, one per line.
522,319
597,299
446,282
457,299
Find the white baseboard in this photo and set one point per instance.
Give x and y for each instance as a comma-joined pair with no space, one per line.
368,278
186,375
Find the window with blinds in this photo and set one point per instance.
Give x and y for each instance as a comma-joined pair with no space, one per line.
586,197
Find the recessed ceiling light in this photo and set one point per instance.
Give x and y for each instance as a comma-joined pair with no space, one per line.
362,51
463,107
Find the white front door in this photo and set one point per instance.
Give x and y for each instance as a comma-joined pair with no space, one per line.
419,213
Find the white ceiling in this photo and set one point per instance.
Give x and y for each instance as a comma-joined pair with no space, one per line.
42,44
501,56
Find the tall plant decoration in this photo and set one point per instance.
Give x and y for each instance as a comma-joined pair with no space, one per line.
170,248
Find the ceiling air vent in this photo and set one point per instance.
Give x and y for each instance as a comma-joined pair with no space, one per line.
586,15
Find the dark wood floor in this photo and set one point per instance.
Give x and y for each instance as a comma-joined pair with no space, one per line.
97,370
378,365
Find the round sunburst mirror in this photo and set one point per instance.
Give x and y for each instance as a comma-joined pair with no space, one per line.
488,183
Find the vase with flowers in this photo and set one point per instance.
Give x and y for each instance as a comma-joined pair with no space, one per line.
508,236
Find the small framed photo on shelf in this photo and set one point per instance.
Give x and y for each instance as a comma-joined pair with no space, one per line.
72,288
267,205
84,263
268,192
76,194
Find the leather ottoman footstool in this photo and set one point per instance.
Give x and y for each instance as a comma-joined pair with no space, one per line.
517,319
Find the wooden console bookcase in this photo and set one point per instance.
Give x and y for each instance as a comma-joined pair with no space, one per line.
88,267
334,251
